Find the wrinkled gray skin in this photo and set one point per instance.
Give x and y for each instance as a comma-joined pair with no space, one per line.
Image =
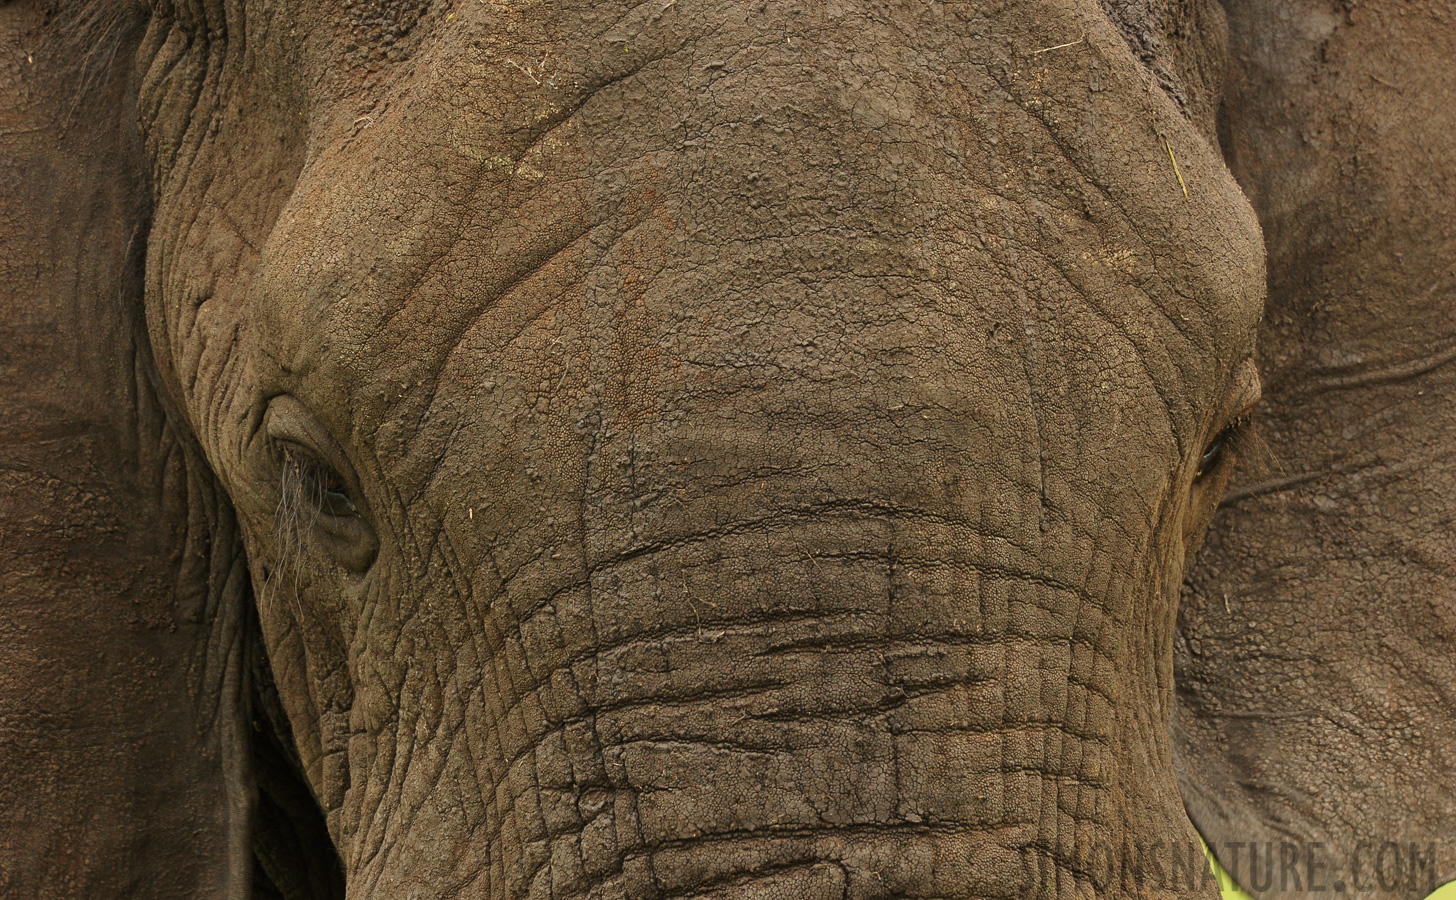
674,450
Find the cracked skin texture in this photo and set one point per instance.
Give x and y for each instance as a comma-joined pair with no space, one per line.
687,449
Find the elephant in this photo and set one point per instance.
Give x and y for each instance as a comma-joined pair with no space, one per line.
676,449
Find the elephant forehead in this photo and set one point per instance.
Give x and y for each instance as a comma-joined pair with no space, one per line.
939,157
927,227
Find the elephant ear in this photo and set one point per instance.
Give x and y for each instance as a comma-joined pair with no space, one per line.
1316,659
133,757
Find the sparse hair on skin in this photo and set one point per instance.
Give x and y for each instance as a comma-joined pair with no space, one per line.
91,34
1255,458
300,503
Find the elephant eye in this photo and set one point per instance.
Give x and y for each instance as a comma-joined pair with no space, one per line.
312,486
1223,443
318,505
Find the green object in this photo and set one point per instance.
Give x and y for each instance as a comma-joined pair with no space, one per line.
1226,886
1231,891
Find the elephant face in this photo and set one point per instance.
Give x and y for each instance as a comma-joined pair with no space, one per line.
691,448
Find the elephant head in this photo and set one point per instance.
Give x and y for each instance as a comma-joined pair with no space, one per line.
691,447
688,449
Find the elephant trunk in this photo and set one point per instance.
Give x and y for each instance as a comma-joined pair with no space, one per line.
833,702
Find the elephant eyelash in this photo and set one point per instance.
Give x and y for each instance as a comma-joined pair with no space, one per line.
310,488
1225,442
316,507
